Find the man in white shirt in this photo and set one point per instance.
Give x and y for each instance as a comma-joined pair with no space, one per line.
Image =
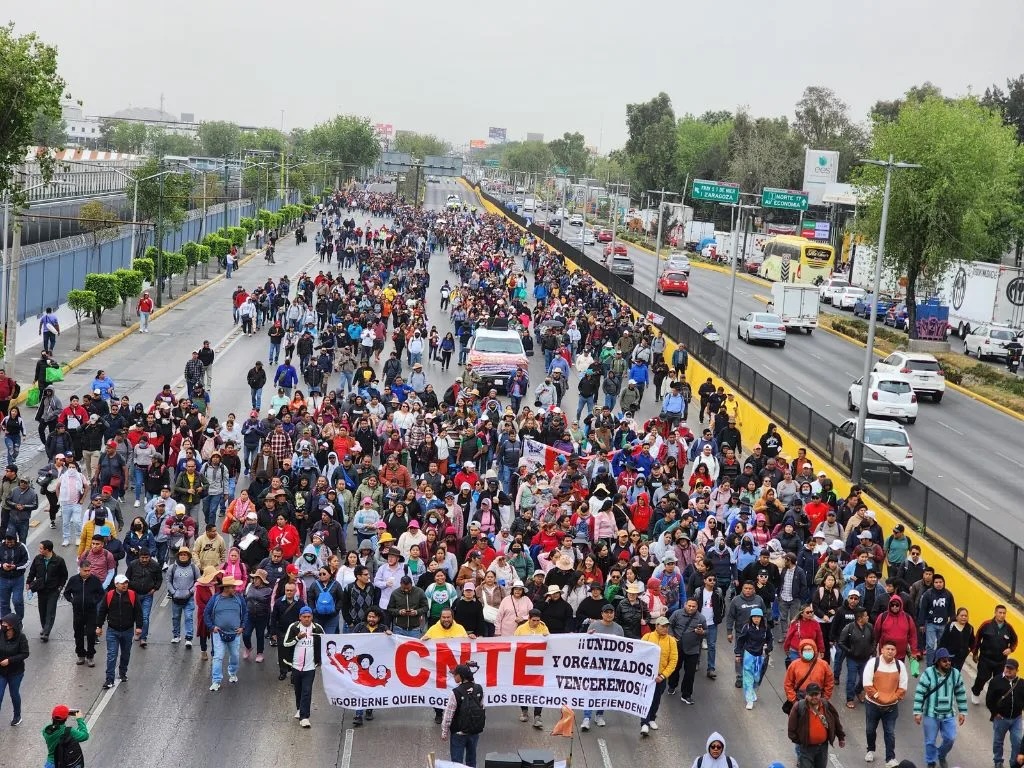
302,637
72,487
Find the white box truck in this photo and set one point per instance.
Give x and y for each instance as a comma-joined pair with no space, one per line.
529,206
796,304
979,293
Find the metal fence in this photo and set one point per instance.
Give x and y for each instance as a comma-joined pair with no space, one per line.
978,547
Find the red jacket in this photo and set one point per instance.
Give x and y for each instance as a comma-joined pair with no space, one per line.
899,628
803,629
287,539
145,304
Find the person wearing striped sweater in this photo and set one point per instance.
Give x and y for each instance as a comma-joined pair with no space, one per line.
940,705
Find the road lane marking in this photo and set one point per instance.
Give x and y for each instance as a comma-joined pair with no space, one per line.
606,758
1010,459
973,498
104,700
816,356
951,429
770,370
805,391
346,752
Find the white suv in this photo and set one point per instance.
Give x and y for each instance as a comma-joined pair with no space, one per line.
887,443
923,371
832,287
988,341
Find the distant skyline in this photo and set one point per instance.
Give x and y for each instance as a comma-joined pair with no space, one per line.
458,67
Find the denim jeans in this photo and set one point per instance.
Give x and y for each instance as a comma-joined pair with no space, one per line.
12,684
932,635
212,506
347,377
275,353
417,633
118,640
222,650
13,443
873,715
189,609
711,635
330,624
144,320
652,713
13,591
257,398
585,402
463,748
589,713
71,521
257,624
854,677
146,601
1000,728
933,728
139,481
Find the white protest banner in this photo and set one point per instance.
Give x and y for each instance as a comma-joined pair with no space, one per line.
374,671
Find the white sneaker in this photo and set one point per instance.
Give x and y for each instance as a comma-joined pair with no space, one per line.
894,763
297,714
750,705
175,640
644,730
704,644
585,725
215,687
654,725
65,543
974,699
304,722
136,504
232,678
600,722
869,756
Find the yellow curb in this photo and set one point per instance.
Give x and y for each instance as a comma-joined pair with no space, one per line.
710,267
126,332
955,387
765,299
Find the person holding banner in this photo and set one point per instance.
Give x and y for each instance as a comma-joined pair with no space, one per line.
669,659
533,626
445,628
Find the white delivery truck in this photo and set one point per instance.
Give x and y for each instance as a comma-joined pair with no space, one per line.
529,206
979,293
796,304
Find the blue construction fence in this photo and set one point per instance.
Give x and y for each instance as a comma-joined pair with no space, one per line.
46,278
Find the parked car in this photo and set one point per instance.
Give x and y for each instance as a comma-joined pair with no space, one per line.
753,263
863,306
887,441
923,370
674,281
831,287
619,249
761,326
889,395
604,235
847,297
622,267
897,317
576,220
988,341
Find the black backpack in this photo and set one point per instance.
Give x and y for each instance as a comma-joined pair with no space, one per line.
68,752
470,716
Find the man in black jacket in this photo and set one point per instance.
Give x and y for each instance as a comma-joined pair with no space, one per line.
46,577
256,379
285,613
84,591
120,610
1005,703
144,578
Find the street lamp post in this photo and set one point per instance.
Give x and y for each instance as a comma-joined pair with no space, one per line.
657,245
737,246
889,165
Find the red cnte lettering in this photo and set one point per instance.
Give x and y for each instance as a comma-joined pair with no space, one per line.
402,654
446,661
491,653
527,656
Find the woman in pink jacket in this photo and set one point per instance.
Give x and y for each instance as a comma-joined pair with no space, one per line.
513,610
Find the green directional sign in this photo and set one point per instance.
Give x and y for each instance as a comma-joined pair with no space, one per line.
787,199
715,191
559,170
494,163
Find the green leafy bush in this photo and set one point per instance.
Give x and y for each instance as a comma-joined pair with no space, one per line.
146,265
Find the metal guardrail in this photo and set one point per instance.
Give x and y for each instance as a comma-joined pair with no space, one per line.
98,179
979,548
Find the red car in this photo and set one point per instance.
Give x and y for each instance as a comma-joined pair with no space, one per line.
674,282
618,250
604,235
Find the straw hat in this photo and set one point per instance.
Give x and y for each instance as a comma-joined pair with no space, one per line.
210,574
230,581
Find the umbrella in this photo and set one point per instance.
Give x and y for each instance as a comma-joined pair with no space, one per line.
706,242
552,324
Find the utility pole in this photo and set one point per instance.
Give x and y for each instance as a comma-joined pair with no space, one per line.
657,246
11,325
869,352
741,223
159,266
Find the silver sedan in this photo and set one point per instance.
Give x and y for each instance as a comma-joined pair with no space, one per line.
761,326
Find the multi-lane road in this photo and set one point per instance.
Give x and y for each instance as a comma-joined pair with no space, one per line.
964,450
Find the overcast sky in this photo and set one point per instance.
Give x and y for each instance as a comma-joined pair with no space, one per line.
558,65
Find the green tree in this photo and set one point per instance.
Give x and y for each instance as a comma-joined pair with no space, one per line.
570,153
349,140
30,90
764,153
108,296
219,138
99,223
47,132
530,156
146,265
82,303
419,145
174,264
823,122
163,199
651,145
191,253
945,210
264,139
129,288
124,135
889,111
1009,103
702,146
160,142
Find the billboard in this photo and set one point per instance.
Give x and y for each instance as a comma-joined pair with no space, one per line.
497,134
384,129
478,143
535,137
442,165
821,167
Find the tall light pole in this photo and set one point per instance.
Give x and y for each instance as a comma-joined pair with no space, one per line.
869,353
657,246
736,251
